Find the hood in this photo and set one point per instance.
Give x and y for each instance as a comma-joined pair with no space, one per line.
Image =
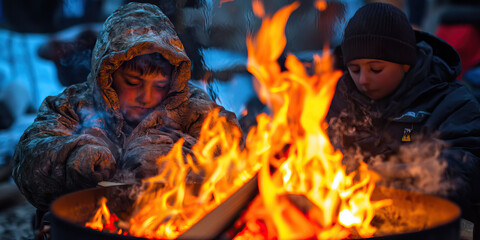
132,30
438,65
435,47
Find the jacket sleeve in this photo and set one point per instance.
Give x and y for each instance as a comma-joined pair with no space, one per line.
51,159
199,106
459,127
141,157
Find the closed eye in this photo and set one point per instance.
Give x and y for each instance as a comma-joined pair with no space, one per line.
161,84
161,87
354,69
132,82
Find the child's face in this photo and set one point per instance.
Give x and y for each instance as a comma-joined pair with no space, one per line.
376,78
138,94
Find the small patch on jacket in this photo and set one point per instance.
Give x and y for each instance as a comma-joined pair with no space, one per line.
412,117
407,135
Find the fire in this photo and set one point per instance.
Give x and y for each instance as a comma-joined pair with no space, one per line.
321,5
103,219
258,9
305,191
298,147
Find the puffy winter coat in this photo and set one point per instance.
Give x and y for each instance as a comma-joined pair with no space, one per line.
80,137
428,104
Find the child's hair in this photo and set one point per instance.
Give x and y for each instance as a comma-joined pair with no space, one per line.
148,64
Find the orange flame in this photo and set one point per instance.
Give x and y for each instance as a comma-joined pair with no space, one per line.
321,5
299,149
292,141
258,9
167,210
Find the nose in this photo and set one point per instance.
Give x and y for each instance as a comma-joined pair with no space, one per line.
145,95
362,78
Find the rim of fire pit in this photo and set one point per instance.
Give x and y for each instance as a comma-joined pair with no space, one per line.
75,204
449,229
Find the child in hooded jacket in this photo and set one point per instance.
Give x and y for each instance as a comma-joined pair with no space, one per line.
136,103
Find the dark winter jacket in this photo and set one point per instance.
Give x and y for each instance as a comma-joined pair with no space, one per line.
80,136
428,104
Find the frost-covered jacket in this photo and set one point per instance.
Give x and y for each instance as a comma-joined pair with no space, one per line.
84,122
429,103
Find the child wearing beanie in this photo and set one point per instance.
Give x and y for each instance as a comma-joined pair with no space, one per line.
399,107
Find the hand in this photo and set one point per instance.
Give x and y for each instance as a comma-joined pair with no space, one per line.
176,135
102,138
142,162
88,165
141,154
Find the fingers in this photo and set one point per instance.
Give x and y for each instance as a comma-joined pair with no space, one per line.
102,139
88,165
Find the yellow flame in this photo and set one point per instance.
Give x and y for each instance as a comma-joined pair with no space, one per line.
298,146
101,217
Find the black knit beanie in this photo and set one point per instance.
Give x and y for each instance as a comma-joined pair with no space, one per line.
379,31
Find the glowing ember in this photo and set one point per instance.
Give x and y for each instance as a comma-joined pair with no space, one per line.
289,149
321,5
104,220
258,9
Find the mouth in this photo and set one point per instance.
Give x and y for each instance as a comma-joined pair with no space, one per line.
369,92
140,109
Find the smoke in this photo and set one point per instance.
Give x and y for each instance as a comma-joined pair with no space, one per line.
92,118
417,166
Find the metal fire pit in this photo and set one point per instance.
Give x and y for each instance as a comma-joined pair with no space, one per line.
415,216
412,215
72,211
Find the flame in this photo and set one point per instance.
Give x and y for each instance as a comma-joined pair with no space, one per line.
224,1
169,209
244,112
173,200
321,5
103,219
298,147
305,191
258,8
